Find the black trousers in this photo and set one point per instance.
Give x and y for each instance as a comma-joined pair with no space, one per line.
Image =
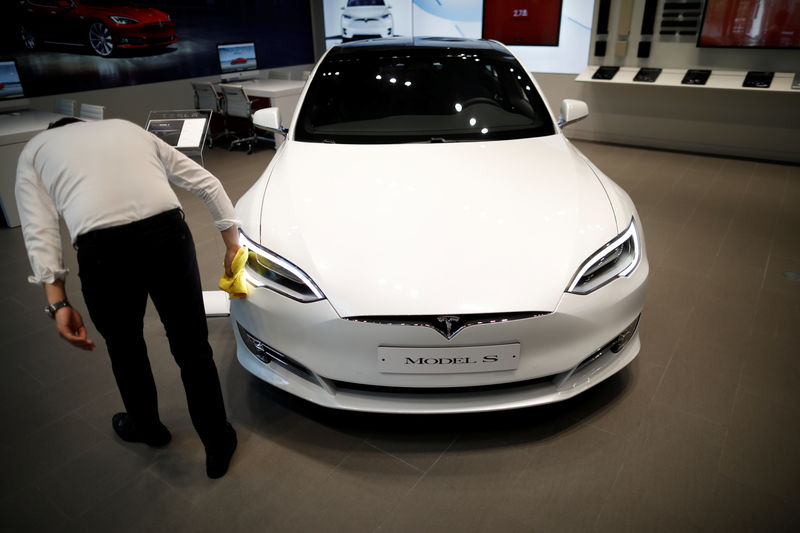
119,268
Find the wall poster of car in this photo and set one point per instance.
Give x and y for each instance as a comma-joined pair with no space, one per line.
74,45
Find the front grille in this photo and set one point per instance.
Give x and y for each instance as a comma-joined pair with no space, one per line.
358,387
360,37
156,26
447,325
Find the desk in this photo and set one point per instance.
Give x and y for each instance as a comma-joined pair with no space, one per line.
16,129
283,94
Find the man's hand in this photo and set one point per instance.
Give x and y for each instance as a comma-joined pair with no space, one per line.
71,329
230,237
230,254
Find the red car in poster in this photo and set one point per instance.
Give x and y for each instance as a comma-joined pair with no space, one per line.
106,26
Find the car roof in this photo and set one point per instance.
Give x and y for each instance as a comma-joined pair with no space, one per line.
395,43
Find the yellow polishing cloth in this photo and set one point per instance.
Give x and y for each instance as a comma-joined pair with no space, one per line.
236,286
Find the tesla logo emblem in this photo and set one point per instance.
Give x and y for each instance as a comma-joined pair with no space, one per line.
448,321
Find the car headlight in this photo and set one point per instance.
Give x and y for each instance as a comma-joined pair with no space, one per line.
123,20
617,259
267,269
347,17
386,16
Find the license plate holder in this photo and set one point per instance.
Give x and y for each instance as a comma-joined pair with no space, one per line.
449,359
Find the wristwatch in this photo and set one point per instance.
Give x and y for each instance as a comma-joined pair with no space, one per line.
51,309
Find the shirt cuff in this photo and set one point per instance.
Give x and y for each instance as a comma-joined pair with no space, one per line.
48,276
226,223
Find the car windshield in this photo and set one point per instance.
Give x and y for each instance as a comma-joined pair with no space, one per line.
356,3
421,94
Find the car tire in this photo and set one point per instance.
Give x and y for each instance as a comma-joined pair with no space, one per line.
100,40
28,39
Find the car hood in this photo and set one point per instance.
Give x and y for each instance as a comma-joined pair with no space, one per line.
429,229
142,14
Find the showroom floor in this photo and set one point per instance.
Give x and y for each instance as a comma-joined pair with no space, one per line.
700,433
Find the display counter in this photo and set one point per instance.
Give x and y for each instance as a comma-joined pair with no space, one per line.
673,77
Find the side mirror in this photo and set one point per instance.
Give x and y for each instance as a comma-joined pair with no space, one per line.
572,111
269,119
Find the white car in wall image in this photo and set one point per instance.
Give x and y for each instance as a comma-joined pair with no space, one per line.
426,240
365,19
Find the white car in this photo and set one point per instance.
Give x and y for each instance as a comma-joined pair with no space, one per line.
366,19
427,241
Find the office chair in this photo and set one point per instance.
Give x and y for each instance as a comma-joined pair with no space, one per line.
65,107
92,112
207,97
239,111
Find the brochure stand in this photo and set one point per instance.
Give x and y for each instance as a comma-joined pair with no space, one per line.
183,129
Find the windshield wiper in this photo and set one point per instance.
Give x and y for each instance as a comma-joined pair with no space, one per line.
432,140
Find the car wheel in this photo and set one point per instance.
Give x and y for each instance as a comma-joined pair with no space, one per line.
100,39
27,38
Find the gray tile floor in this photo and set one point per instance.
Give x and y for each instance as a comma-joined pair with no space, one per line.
700,433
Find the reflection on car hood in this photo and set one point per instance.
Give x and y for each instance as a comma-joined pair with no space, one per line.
361,12
436,228
142,14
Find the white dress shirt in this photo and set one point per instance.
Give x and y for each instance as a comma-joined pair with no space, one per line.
97,175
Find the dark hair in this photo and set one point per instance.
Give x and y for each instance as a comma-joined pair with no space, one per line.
63,122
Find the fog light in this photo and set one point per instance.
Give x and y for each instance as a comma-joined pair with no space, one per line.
256,346
267,354
627,334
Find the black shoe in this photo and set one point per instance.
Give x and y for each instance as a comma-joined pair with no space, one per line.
218,459
125,427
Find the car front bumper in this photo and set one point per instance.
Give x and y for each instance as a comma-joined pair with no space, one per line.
370,28
144,35
333,361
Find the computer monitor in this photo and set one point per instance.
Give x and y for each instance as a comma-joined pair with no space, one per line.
236,59
12,96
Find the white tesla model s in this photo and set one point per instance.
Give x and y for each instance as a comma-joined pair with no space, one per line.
427,241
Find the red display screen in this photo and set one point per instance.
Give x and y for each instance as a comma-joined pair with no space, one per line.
751,24
522,22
